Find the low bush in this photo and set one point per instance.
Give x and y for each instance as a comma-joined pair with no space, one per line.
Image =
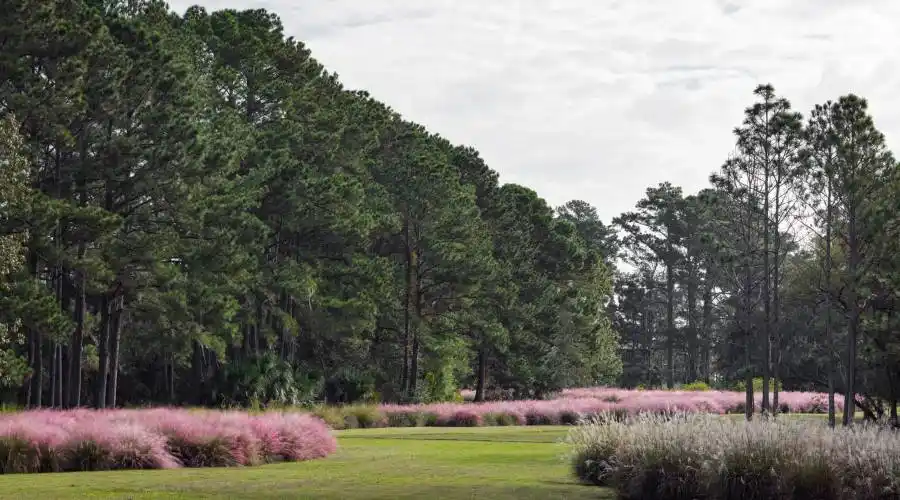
365,416
331,415
465,418
542,418
699,385
406,419
83,440
686,456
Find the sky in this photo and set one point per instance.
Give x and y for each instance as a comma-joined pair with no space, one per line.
599,99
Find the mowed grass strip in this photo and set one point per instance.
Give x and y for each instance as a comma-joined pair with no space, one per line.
433,463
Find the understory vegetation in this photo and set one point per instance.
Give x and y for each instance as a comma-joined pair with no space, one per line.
689,456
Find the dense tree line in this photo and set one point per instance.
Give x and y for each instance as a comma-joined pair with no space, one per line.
785,268
193,210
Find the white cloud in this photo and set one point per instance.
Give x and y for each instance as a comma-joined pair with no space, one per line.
597,100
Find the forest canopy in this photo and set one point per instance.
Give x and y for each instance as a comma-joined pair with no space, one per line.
196,212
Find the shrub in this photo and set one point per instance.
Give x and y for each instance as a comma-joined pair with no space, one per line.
331,415
350,421
366,417
465,418
503,419
696,386
569,417
741,386
405,419
541,418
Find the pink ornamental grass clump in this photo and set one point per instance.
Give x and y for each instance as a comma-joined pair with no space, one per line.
30,445
101,444
52,441
574,405
298,436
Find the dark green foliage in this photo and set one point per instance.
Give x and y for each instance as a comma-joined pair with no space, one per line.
268,381
202,214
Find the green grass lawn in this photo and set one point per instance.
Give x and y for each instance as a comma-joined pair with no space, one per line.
430,463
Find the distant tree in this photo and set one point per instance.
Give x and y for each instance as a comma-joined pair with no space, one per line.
655,229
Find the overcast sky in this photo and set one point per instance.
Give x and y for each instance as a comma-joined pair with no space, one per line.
598,99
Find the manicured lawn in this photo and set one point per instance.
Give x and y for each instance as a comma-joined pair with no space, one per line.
430,463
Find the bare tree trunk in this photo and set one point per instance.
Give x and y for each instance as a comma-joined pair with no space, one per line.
103,352
62,375
35,340
77,343
776,302
115,334
767,286
54,376
693,337
258,328
37,379
829,342
414,362
748,344
407,309
707,330
482,375
854,319
670,327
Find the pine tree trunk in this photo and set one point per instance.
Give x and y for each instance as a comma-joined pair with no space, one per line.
854,319
115,334
670,327
414,361
407,309
776,304
197,369
748,343
77,343
482,375
61,378
257,330
707,331
767,287
170,388
829,342
37,380
103,352
893,403
693,337
53,374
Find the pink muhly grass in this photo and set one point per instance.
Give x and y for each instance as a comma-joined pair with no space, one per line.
98,444
573,405
464,418
50,441
299,436
30,445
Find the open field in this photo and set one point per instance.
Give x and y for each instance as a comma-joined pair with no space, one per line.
496,462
